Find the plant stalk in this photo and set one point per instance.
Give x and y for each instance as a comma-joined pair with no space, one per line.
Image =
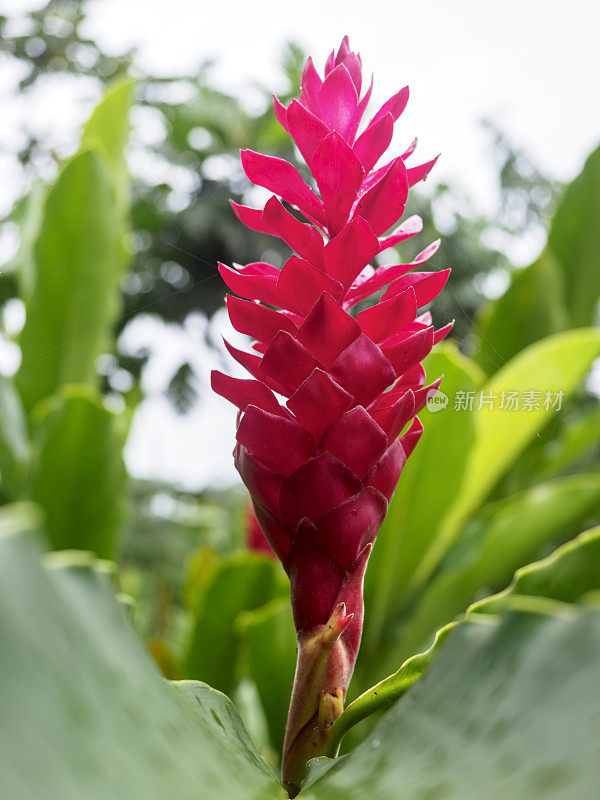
323,671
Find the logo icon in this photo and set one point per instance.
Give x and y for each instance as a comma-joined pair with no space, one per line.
436,401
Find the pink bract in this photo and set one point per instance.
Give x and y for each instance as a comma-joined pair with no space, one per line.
331,390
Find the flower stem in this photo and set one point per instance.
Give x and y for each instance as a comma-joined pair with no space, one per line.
323,671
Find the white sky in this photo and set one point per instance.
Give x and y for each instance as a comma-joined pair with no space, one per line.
531,66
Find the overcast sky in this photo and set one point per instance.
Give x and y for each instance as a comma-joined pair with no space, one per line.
533,67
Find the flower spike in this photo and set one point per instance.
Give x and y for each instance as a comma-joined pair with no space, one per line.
320,442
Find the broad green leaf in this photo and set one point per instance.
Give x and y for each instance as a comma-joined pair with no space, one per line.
557,365
574,239
23,519
268,655
506,711
107,131
83,561
238,582
567,575
248,703
531,309
388,691
76,292
28,214
507,535
208,702
14,441
428,485
85,713
316,768
78,476
571,573
108,126
74,256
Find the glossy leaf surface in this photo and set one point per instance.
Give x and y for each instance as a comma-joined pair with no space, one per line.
85,711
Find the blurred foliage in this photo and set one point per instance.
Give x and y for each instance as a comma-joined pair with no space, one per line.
225,585
574,240
62,444
75,295
49,40
165,530
77,474
181,391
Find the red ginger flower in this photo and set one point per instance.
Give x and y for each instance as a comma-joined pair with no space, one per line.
322,466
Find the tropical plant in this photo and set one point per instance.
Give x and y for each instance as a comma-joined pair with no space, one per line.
322,468
500,699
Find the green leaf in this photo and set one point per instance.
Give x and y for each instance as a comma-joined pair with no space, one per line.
508,534
20,519
28,213
14,442
505,711
107,131
85,713
108,126
268,655
556,364
574,239
567,575
388,691
78,476
74,255
208,702
531,309
76,293
579,438
248,703
316,768
238,582
428,485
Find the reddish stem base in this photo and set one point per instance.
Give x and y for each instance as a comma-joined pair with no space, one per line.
323,671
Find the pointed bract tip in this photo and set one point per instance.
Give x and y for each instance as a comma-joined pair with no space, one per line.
339,620
365,552
337,612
